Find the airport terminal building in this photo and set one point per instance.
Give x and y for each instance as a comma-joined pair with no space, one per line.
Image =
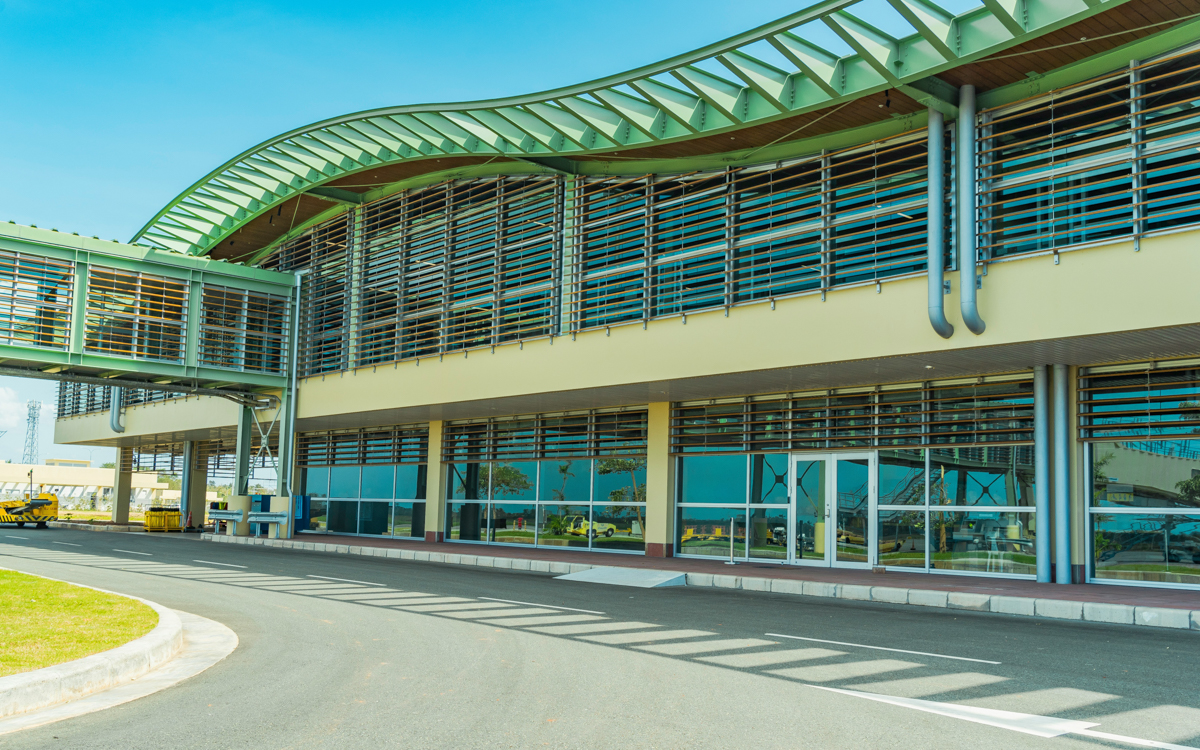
879,284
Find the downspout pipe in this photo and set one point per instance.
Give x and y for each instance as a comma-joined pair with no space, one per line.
114,410
936,245
965,205
1041,470
1062,477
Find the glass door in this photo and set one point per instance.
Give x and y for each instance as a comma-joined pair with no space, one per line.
833,503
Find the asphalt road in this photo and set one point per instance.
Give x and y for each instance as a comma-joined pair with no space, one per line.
356,652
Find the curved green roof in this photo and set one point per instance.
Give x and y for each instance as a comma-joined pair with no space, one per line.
675,100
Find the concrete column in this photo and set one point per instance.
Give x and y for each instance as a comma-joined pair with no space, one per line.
660,483
282,504
238,502
122,486
195,487
435,491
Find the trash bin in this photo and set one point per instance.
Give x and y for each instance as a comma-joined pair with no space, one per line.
162,519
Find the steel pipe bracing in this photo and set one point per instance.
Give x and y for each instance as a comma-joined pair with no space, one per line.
1041,470
114,410
936,244
1062,478
964,143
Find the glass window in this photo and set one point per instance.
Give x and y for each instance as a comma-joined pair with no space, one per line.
464,521
1147,474
706,531
316,481
343,481
565,481
513,523
620,480
902,538
1146,547
374,517
512,481
410,481
768,533
982,542
465,482
619,527
343,516
317,515
712,479
564,525
408,520
769,478
378,481
902,477
982,476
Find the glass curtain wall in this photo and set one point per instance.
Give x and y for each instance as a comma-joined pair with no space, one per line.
1142,429
736,500
564,481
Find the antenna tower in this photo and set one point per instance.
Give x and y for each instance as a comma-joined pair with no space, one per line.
31,432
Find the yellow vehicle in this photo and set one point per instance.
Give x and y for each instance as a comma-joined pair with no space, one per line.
579,526
39,510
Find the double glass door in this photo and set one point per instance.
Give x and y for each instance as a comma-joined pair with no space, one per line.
832,503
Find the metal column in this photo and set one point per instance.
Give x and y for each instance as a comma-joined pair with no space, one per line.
1062,477
241,454
1041,470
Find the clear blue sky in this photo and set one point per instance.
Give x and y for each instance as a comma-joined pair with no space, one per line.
111,110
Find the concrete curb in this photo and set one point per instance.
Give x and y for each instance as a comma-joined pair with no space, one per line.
29,691
1059,609
92,527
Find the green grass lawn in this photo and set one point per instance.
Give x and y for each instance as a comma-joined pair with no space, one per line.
95,515
44,622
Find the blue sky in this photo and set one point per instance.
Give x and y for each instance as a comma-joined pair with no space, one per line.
110,110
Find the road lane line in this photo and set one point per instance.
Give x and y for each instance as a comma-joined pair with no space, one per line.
227,565
1130,740
131,552
69,544
845,670
492,606
617,639
476,614
595,627
770,658
686,648
518,622
347,580
548,606
10,536
883,648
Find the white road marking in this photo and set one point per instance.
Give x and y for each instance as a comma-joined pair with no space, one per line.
883,648
919,687
517,612
844,670
432,600
131,552
596,627
226,565
347,580
518,622
10,536
770,658
69,544
660,635
418,607
548,606
1130,740
700,647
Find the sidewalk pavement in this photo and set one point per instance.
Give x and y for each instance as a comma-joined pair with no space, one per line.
1128,605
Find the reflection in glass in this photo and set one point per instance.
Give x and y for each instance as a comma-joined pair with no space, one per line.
316,481
512,523
343,481
318,514
1150,547
410,481
378,481
343,516
712,479
982,476
564,525
1147,474
768,533
902,477
619,527
769,478
902,538
853,495
706,531
373,517
408,520
465,482
566,481
511,482
982,542
810,510
464,521
620,480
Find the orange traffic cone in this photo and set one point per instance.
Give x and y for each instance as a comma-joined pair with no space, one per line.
189,519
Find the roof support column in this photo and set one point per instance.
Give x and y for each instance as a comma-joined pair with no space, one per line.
660,485
435,492
1062,475
1041,470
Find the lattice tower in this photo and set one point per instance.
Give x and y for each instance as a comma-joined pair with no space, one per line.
31,432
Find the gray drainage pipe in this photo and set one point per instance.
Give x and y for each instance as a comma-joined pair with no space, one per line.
114,410
936,244
965,158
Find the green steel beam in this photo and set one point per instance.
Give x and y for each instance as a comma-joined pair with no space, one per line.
677,99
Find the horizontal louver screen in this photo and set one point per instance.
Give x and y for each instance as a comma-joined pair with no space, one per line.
1163,402
400,444
546,436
